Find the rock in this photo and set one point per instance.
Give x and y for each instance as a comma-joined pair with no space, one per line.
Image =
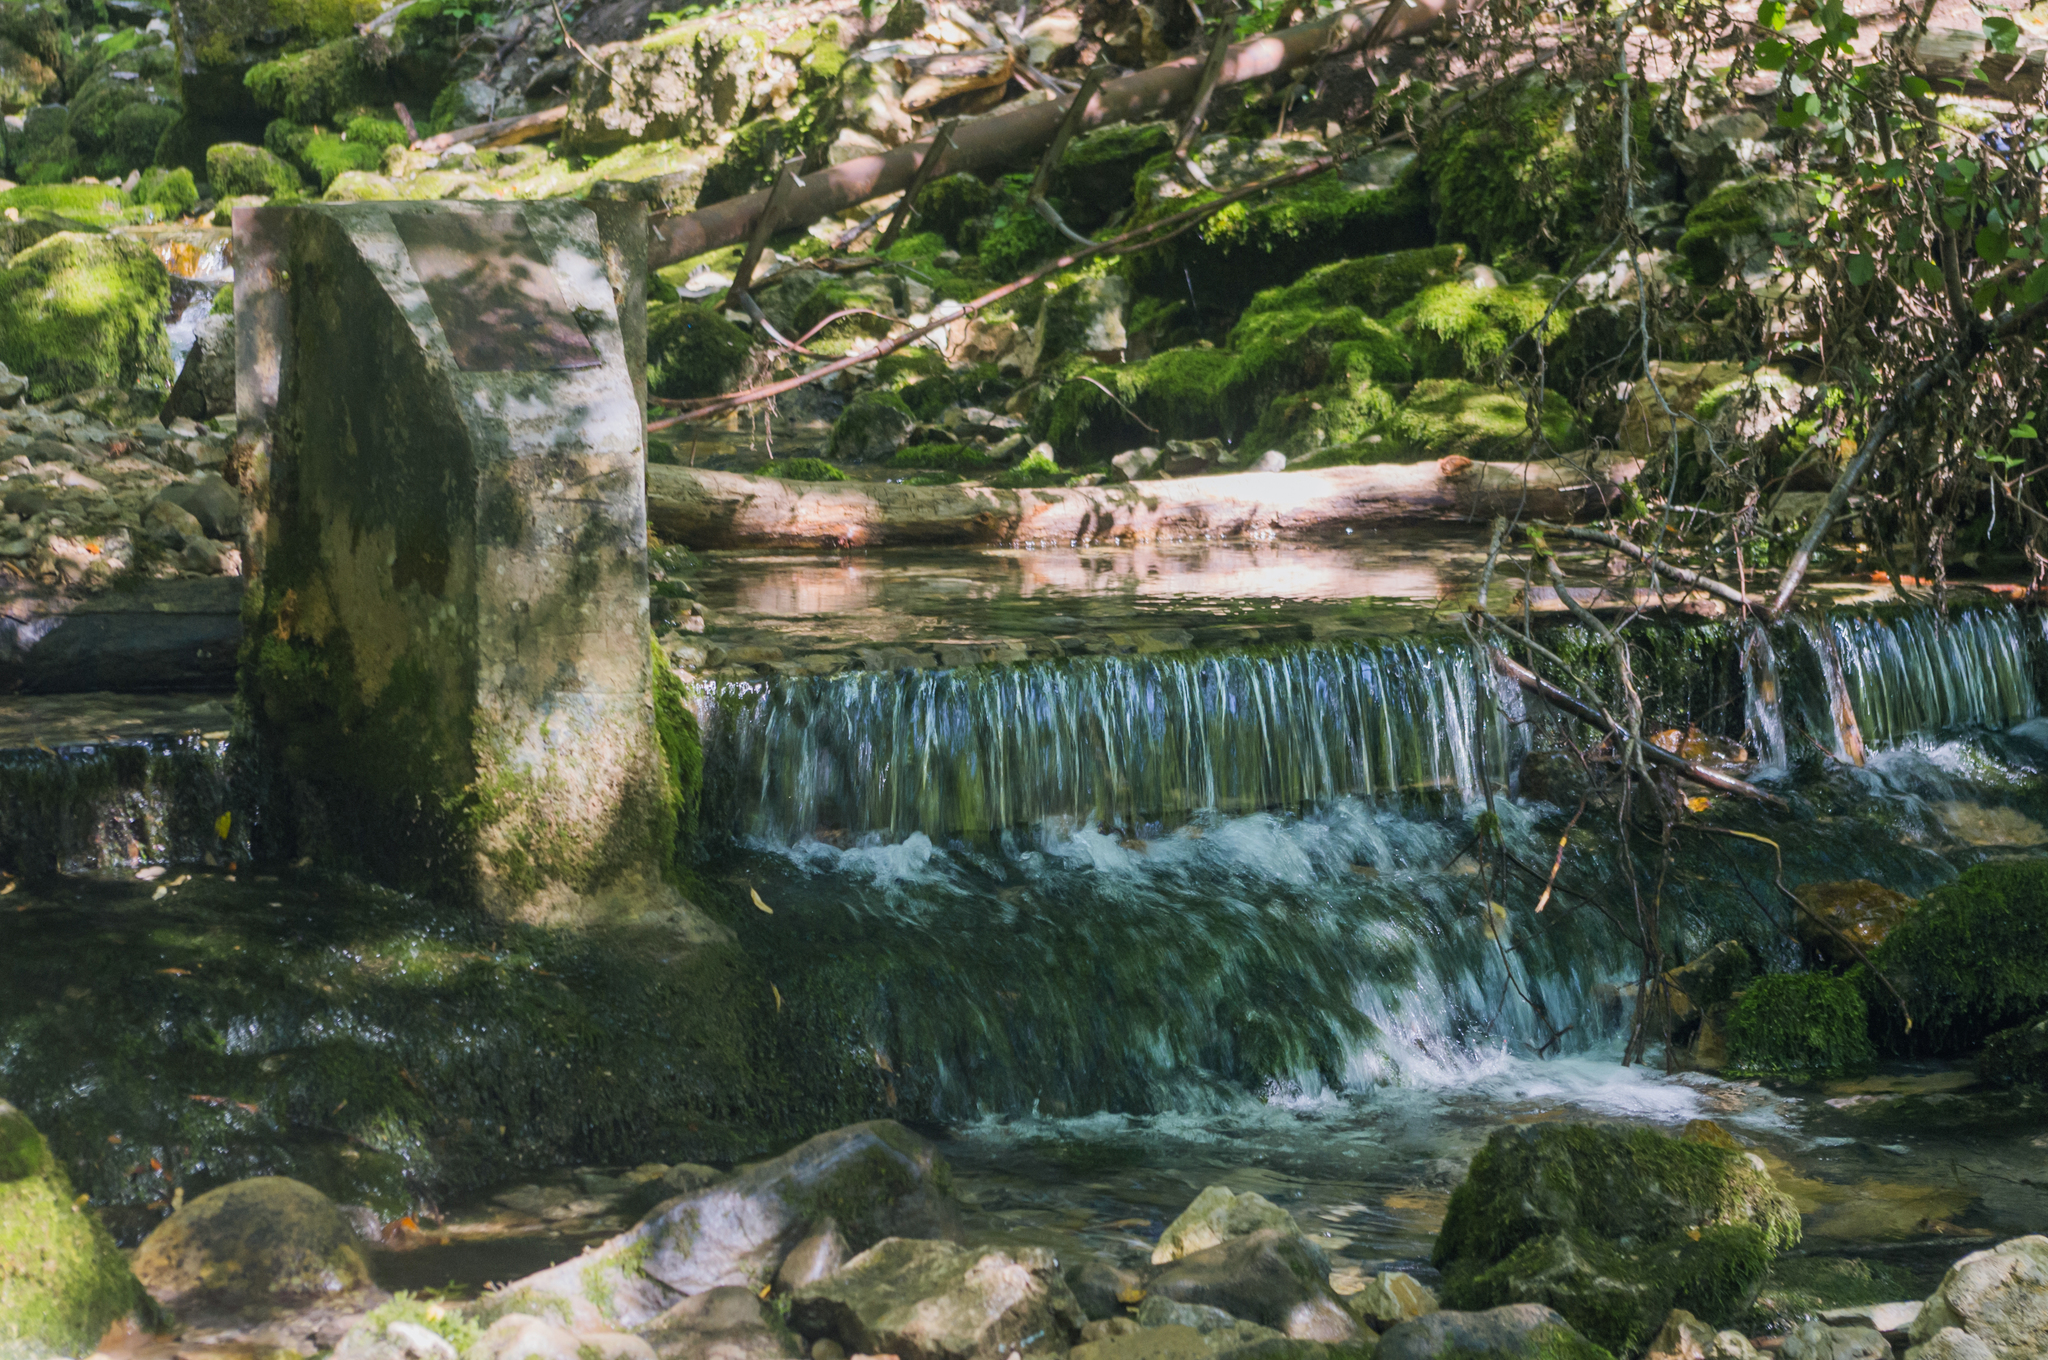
1706,985
1519,1331
1216,1216
874,1179
206,385
685,1177
236,168
1273,1277
926,1300
1391,1297
211,557
1997,1299
406,1329
1135,464
170,524
12,385
1156,1311
1816,1340
727,1323
80,310
62,1279
1192,457
1888,1318
693,351
1720,149
1685,1337
1730,231
1100,1288
1272,460
1799,1025
254,1248
1085,317
1862,910
1101,1329
873,426
216,505
520,1336
2016,1056
1936,956
812,1259
1177,1342
1612,1229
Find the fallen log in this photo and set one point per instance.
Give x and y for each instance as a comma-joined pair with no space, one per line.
501,131
698,508
1002,137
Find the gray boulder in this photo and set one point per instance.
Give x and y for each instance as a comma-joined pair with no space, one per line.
206,384
1991,1303
210,500
1161,1312
812,1259
1239,1341
727,1323
1816,1340
1273,1277
1519,1331
1216,1216
931,1300
1685,1337
1100,1288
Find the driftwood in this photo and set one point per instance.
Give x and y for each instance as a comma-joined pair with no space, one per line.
702,509
1008,135
526,127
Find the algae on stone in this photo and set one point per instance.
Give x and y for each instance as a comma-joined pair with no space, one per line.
62,1279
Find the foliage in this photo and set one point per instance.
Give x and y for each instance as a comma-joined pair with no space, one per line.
1807,1025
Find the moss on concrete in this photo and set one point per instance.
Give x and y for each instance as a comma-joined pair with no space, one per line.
234,168
1802,1025
693,351
80,311
62,1280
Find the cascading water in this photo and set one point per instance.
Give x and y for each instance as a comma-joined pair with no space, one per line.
1919,674
1762,703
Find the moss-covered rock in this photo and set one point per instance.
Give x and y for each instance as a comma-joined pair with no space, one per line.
1289,350
33,48
1461,330
1801,1025
873,425
2017,1056
1612,1228
693,351
251,1249
76,207
62,1279
1095,179
868,303
1036,469
80,311
234,168
1445,416
220,41
1375,284
1971,959
1730,230
1102,408
174,191
804,470
949,203
749,162
324,157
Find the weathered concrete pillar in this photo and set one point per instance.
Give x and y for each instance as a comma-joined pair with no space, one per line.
448,662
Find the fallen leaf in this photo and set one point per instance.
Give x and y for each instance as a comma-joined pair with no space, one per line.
759,903
176,972
160,894
6,889
1696,804
222,823
778,997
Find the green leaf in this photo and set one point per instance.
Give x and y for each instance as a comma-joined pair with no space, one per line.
1916,87
2003,32
1862,269
2023,431
2036,286
1771,14
1991,245
1929,274
1772,54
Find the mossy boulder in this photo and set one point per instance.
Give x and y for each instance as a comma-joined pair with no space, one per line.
1445,416
118,118
1095,179
2017,1056
693,351
62,1279
323,156
220,41
1105,408
253,1248
174,191
873,425
940,1301
941,458
75,207
1970,959
1463,330
79,311
1521,1331
33,47
749,162
1376,284
1269,240
949,203
1730,231
42,152
1800,1025
1612,1228
236,168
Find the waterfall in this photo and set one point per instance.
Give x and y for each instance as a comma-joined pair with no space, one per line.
1123,741
1917,674
1762,705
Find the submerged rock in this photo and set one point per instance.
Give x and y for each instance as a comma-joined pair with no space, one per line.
930,1300
1177,1341
1990,1304
62,1279
1520,1331
1863,911
1613,1229
1816,1340
253,1249
1273,1277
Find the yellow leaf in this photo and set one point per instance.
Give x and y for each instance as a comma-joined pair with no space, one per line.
6,889
160,894
778,997
222,823
759,903
1696,804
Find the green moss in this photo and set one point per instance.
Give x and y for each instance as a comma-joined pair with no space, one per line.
136,133
314,86
234,168
1103,409
1286,351
873,424
1444,416
1731,227
1094,180
1375,284
749,162
449,1323
2017,1056
1971,958
223,302
948,203
172,190
1611,1228
80,311
1034,471
804,470
1329,426
1271,240
911,362
682,751
98,205
1018,241
62,1280
1460,331
693,351
941,458
868,304
1805,1025
1506,171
